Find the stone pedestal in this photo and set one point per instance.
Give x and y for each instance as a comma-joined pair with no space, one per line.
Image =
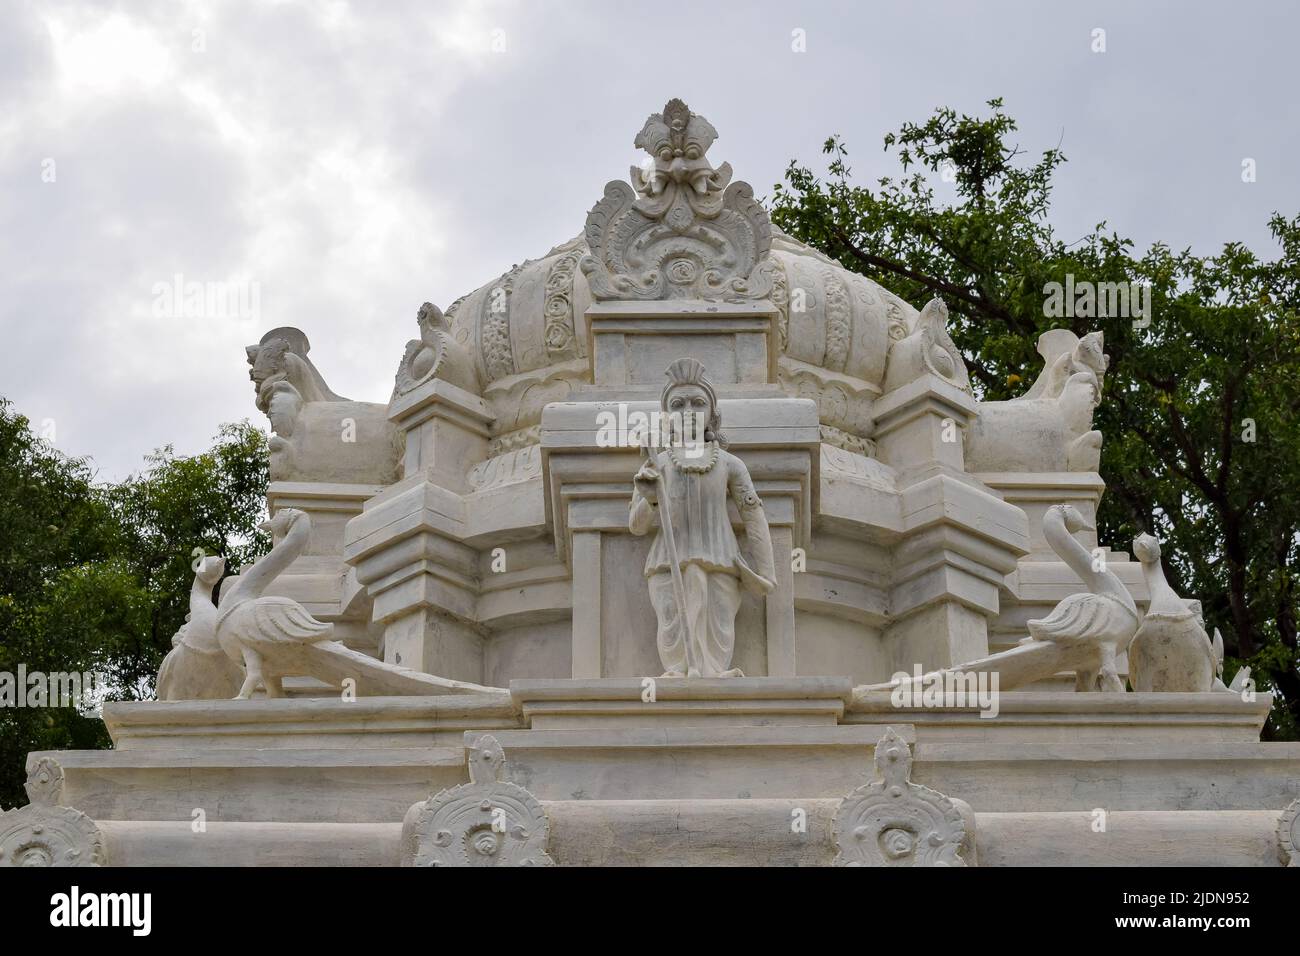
631,343
408,546
960,540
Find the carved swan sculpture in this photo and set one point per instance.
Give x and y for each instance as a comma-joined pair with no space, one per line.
1104,616
1171,651
247,620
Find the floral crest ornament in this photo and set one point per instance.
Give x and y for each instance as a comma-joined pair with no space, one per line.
682,230
486,822
894,822
44,833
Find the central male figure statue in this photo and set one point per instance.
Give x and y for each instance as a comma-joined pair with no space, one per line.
692,482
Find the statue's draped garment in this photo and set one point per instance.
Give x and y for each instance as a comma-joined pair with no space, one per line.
697,487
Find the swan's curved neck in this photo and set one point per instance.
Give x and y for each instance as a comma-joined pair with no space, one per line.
252,584
1164,600
201,606
1080,561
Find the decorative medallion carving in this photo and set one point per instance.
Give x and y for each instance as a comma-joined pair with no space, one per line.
894,822
781,299
839,321
680,231
486,822
494,330
44,833
561,339
1288,834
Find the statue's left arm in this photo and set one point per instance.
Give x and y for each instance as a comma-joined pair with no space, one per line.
762,577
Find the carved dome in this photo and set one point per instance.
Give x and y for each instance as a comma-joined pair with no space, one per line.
526,335
532,316
681,230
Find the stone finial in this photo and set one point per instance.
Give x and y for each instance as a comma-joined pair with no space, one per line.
926,349
435,354
45,782
486,822
44,833
894,822
683,230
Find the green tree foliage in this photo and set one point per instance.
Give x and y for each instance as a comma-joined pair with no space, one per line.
96,578
1199,411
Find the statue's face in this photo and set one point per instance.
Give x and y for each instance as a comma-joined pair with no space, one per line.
691,403
690,398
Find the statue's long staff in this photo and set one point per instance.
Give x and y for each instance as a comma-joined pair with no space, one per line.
679,587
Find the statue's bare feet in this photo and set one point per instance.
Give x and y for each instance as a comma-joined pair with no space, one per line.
693,673
733,672
671,674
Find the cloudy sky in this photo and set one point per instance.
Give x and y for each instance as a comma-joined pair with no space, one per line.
348,161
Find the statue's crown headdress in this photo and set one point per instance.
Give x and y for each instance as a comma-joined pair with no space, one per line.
687,371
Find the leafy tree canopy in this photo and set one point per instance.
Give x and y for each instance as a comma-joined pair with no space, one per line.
95,578
1199,411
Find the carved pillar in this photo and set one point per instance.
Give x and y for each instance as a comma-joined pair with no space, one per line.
959,539
780,607
587,603
409,545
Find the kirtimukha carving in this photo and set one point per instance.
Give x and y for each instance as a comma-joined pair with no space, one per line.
196,668
695,566
682,232
1171,651
435,354
250,622
1050,427
315,431
43,833
894,822
486,822
1288,834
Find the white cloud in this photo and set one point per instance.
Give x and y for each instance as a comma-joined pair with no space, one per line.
355,160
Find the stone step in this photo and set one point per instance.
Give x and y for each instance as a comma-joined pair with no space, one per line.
722,832
378,785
